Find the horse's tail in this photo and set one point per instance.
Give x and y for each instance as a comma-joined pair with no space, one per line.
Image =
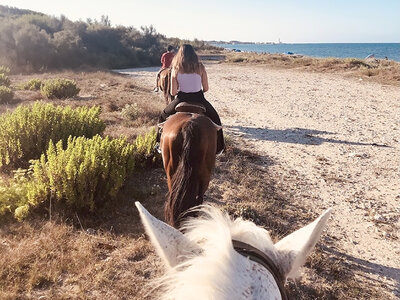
185,183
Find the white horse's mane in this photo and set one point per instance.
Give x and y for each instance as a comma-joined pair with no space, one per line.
204,274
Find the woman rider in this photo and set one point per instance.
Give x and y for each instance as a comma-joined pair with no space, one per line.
189,82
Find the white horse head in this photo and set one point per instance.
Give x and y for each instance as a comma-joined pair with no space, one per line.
203,264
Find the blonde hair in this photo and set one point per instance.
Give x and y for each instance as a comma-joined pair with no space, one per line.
186,60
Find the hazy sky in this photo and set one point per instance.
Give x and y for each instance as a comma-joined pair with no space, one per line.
293,21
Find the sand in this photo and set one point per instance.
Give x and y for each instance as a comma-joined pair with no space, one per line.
339,135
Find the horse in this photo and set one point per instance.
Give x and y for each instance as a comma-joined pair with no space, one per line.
220,258
164,84
188,148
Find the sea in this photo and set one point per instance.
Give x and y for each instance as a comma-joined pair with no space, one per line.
340,50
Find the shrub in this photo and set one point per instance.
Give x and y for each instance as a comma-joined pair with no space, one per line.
357,63
33,84
13,194
145,154
6,94
26,132
4,80
130,111
59,88
86,173
4,70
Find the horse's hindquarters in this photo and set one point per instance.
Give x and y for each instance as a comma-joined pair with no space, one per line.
188,144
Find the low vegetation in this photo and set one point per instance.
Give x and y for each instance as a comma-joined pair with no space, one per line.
6,94
26,132
59,88
145,150
131,111
87,173
13,194
4,80
33,84
4,70
384,71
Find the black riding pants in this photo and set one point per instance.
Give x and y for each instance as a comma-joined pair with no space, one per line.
196,98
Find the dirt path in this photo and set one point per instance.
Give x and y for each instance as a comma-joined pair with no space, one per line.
339,135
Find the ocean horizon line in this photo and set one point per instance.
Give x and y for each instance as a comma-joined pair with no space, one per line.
339,50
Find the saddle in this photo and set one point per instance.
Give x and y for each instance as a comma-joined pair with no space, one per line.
190,107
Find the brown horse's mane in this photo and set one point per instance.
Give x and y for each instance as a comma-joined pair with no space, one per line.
185,184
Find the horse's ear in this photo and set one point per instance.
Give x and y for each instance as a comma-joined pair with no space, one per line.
218,127
171,245
294,248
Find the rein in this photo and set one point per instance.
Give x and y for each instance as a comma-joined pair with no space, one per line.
259,257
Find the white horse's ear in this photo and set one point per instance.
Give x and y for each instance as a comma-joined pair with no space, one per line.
294,248
171,245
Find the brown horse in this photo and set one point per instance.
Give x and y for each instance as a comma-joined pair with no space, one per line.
164,84
188,145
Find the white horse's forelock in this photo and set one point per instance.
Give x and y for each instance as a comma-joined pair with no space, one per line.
219,271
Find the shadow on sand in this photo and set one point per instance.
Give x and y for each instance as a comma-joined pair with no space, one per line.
293,135
367,267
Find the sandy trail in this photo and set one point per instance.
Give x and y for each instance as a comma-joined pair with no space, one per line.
340,135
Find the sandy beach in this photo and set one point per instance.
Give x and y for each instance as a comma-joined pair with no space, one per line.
339,135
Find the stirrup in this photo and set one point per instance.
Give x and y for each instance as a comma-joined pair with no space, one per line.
157,147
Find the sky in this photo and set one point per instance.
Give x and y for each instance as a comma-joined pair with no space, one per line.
291,21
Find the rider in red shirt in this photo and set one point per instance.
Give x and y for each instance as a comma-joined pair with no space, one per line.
166,60
167,57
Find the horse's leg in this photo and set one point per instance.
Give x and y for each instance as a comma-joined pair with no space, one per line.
167,164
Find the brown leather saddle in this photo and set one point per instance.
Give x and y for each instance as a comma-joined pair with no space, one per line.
190,107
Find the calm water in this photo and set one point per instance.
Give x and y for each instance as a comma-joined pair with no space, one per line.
389,50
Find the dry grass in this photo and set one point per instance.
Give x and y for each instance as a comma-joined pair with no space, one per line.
98,256
383,71
105,255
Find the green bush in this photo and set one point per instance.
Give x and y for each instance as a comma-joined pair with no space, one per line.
4,80
33,84
59,88
4,70
86,173
25,133
6,94
145,153
13,194
130,111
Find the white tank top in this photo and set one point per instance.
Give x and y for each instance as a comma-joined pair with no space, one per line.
189,83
